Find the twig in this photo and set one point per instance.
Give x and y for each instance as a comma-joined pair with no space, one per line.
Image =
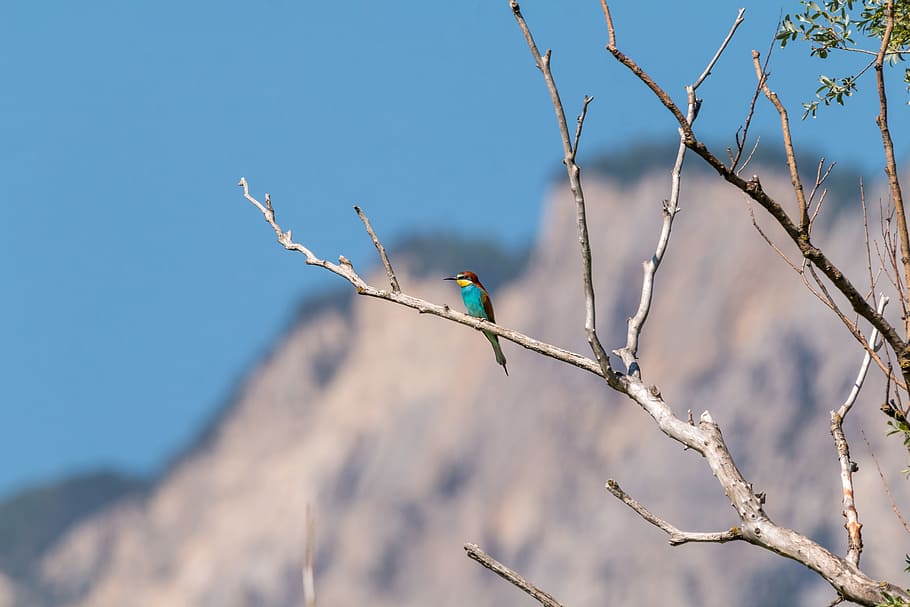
574,173
894,508
742,134
677,536
309,580
581,121
629,353
393,280
474,551
720,49
847,467
788,144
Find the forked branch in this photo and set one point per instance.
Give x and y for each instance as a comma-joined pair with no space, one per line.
677,536
574,173
629,353
754,190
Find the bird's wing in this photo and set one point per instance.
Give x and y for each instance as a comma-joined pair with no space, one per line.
487,306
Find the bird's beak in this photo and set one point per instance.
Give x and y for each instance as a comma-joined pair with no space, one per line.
450,278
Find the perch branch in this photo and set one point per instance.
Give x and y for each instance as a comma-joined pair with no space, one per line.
475,552
629,353
574,174
677,536
345,270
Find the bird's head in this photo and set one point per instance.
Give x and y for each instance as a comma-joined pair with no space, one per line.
465,278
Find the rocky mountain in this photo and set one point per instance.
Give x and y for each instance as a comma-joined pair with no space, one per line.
408,440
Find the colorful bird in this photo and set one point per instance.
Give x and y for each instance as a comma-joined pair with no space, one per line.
478,304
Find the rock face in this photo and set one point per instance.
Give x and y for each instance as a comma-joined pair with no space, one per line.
408,440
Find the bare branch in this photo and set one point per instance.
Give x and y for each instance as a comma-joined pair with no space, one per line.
474,551
574,173
742,134
629,353
753,188
581,121
677,536
720,50
890,162
788,144
611,32
825,297
393,280
847,467
346,271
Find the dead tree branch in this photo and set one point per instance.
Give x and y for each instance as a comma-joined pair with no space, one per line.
677,536
754,190
475,552
788,144
393,280
345,270
629,353
574,174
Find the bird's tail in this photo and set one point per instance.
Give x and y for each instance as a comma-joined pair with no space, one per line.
500,357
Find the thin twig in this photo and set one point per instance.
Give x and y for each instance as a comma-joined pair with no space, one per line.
720,49
475,552
788,144
862,200
677,536
611,32
581,121
574,174
742,134
393,280
894,508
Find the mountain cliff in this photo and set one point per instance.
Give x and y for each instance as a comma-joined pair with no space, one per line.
408,440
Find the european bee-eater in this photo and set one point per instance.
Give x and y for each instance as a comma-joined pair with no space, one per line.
478,304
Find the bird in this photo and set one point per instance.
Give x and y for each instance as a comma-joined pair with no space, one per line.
478,304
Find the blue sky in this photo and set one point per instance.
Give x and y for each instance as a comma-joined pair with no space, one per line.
139,286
